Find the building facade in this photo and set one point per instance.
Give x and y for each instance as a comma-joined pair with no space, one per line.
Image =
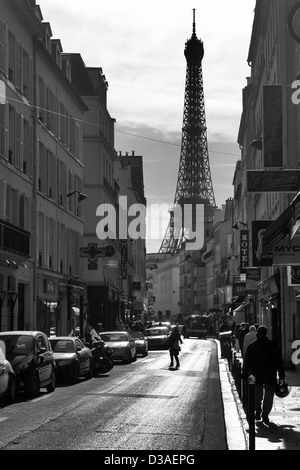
269,140
41,164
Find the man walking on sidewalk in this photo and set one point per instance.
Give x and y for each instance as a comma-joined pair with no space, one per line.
263,361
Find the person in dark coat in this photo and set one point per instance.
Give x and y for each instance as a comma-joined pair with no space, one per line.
174,347
262,363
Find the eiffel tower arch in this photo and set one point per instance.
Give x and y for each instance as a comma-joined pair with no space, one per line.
194,183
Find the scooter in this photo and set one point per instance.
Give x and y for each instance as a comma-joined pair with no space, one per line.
102,356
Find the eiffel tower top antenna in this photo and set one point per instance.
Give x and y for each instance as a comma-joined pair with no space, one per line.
194,21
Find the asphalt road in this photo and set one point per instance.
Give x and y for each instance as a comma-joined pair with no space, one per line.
140,406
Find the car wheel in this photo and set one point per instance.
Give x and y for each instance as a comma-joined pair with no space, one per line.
90,372
76,372
33,387
128,359
134,358
51,386
12,392
145,352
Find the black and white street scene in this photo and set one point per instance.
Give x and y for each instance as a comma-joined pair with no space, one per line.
149,228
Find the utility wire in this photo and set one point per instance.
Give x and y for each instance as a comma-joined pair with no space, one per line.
99,126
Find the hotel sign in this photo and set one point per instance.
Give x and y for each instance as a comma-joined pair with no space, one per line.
244,250
273,181
124,256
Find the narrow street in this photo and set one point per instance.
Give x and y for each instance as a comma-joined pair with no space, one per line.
140,406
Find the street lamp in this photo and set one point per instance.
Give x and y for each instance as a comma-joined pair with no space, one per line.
81,196
257,144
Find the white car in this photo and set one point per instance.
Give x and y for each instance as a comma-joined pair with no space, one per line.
122,344
8,385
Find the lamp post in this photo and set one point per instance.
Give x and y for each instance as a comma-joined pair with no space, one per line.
81,196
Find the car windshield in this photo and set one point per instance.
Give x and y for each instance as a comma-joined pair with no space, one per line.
62,345
156,332
116,337
17,345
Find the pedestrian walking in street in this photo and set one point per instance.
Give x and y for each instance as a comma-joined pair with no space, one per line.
249,337
237,338
263,362
242,334
174,346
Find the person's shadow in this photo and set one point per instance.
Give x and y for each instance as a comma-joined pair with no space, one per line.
279,433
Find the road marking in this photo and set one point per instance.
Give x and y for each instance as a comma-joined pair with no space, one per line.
3,419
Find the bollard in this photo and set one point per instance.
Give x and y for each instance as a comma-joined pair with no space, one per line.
251,415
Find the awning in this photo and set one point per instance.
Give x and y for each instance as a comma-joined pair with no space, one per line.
277,230
242,306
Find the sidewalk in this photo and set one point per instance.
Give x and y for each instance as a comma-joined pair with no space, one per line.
283,433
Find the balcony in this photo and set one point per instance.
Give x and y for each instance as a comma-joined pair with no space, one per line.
14,239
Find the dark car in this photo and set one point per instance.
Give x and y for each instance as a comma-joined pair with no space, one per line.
158,337
73,359
32,360
122,344
8,384
141,342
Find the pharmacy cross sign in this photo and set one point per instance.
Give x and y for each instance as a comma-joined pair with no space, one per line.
92,252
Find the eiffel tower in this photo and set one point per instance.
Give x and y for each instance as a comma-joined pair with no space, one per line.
194,185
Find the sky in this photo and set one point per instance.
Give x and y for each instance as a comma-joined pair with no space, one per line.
140,47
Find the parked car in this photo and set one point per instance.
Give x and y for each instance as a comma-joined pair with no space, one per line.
122,344
73,359
141,342
166,324
8,383
158,337
32,360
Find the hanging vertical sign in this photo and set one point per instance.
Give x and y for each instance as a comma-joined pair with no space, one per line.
258,229
244,250
123,258
272,126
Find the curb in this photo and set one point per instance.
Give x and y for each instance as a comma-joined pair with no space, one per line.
234,415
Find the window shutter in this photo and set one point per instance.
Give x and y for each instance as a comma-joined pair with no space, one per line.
4,48
3,194
4,131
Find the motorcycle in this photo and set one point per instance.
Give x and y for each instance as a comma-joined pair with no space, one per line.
102,356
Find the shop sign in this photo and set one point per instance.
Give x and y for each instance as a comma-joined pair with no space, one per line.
258,229
293,275
253,277
273,181
286,252
239,289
